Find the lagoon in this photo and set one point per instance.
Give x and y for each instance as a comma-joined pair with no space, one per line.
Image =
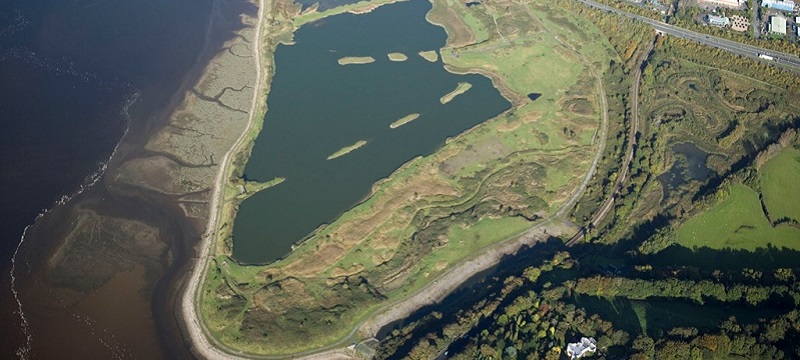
317,106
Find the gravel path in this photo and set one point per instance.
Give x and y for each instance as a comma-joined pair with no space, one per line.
193,327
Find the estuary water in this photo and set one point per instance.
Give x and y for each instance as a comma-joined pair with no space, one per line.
75,76
317,106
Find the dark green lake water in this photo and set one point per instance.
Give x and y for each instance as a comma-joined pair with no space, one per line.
317,106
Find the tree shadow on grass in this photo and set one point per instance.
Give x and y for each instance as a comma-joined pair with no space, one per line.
476,288
707,259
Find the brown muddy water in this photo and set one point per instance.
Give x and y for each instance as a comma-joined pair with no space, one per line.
98,272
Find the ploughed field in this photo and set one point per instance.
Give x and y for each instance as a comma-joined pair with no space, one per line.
483,186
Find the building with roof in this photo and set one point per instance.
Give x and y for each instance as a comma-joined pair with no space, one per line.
718,20
740,23
734,4
579,349
777,25
782,5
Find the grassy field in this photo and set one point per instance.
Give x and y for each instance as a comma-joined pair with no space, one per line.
737,222
435,211
780,185
718,111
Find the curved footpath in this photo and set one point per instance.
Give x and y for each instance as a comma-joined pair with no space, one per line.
189,310
206,346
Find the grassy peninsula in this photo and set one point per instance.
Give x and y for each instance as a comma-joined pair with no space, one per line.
347,149
249,188
404,120
360,7
461,88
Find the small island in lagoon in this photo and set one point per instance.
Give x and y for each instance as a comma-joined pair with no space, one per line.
356,60
404,120
460,89
396,56
347,149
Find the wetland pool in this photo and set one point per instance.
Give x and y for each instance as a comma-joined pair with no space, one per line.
689,165
317,106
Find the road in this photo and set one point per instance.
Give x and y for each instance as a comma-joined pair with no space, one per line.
786,61
630,151
756,21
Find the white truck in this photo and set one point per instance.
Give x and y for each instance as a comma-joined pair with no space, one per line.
766,57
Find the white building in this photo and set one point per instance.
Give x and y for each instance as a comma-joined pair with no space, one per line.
718,20
583,348
777,25
725,3
782,5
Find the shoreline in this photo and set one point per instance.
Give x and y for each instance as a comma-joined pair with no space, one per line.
210,347
192,323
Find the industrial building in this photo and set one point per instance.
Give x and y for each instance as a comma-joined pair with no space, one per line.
787,5
718,20
740,23
777,25
733,4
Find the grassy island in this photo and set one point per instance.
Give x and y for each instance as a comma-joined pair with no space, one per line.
404,120
347,149
460,89
431,55
397,56
352,60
